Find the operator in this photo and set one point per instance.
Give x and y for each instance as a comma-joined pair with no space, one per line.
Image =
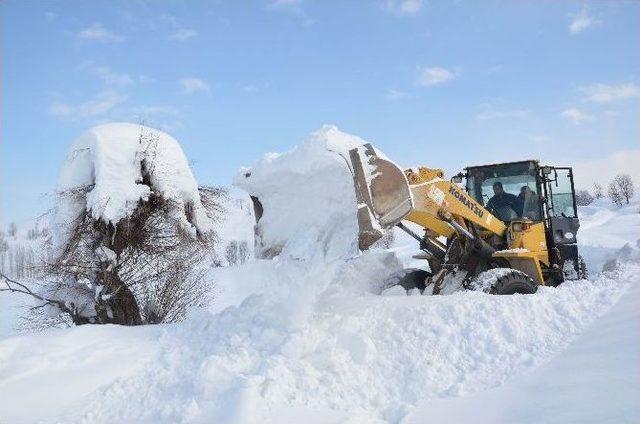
503,199
530,203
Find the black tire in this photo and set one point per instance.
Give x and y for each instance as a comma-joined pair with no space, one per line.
409,279
511,281
514,282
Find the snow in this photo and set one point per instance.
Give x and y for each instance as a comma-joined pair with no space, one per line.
303,337
47,375
308,198
516,250
594,380
107,161
604,228
485,280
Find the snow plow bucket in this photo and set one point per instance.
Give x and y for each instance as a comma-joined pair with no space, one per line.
382,194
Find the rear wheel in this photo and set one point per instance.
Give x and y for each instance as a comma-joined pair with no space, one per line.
504,281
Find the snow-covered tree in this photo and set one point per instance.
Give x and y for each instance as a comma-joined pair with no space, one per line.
598,191
614,193
4,247
132,229
583,198
625,186
12,231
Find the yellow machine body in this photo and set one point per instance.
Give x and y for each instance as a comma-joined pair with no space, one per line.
437,201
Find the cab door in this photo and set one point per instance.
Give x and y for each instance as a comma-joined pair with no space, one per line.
561,216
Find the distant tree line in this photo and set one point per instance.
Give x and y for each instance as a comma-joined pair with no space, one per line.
620,191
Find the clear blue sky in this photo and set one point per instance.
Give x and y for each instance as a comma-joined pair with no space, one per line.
440,83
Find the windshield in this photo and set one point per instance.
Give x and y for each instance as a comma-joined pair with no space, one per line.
508,191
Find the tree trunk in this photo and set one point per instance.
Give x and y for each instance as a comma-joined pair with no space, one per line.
117,304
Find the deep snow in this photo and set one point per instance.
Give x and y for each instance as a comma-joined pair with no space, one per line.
303,337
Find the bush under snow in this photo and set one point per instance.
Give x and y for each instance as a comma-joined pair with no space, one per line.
131,229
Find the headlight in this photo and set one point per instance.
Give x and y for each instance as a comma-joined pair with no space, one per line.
568,235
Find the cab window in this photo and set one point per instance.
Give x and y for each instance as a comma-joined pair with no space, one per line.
509,191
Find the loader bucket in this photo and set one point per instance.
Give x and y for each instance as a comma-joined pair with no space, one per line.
382,194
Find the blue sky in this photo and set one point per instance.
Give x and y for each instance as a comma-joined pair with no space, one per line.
444,84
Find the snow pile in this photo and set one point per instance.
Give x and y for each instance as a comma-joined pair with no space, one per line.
595,380
118,165
603,224
604,228
364,358
308,198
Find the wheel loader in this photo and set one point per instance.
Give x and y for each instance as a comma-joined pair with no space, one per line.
468,239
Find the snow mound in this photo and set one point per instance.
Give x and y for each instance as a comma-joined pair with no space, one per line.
267,358
308,200
108,162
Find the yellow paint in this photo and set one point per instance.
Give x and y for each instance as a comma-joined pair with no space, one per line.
437,200
527,248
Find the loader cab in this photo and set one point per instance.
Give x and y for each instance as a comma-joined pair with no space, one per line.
520,195
546,193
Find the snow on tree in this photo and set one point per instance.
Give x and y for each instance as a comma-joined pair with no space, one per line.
614,193
598,191
621,189
130,231
625,186
583,198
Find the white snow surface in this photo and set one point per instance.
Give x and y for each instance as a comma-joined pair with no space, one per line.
308,198
107,160
303,337
595,380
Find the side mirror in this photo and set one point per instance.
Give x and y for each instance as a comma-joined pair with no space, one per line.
457,178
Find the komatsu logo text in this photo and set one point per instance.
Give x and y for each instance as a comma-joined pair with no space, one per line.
465,201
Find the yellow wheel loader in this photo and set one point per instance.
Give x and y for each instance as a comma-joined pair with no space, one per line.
509,229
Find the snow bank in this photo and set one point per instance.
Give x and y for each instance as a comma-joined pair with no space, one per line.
594,381
108,160
268,358
605,228
308,198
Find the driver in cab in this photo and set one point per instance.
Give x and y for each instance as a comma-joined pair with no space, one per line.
502,199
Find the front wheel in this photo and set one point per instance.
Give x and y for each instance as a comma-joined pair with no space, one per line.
503,281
